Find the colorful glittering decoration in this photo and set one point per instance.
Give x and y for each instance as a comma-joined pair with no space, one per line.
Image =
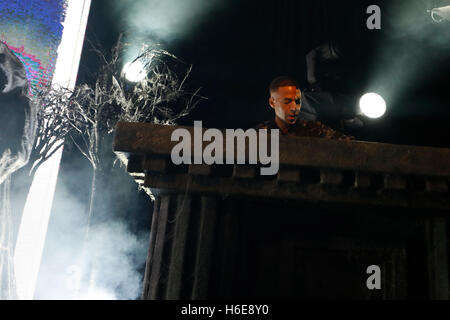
33,29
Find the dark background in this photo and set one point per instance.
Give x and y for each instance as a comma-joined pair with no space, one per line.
236,51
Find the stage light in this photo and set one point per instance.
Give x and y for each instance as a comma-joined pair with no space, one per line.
372,105
440,14
134,71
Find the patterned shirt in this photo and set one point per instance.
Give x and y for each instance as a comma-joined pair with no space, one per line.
307,128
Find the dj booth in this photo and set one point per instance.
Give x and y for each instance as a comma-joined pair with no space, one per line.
315,230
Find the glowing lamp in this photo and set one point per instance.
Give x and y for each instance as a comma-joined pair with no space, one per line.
372,105
134,71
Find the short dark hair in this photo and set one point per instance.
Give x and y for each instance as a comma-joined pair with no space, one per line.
282,81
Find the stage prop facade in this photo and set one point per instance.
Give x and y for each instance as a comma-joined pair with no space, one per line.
334,209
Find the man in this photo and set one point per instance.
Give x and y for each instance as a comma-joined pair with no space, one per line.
286,100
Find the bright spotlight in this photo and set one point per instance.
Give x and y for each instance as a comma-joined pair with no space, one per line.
134,71
372,105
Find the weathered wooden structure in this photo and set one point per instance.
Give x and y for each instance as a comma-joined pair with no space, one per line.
311,231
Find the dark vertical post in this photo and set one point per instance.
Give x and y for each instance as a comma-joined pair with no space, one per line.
228,238
287,269
179,242
436,239
149,261
205,244
156,257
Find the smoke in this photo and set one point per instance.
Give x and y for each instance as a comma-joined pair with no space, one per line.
120,253
162,21
112,266
411,50
410,19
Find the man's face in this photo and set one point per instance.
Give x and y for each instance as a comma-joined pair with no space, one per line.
286,103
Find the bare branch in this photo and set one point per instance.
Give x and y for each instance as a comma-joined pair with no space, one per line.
89,112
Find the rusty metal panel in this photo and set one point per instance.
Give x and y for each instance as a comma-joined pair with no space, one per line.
436,185
362,180
244,172
200,169
331,177
289,174
394,182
